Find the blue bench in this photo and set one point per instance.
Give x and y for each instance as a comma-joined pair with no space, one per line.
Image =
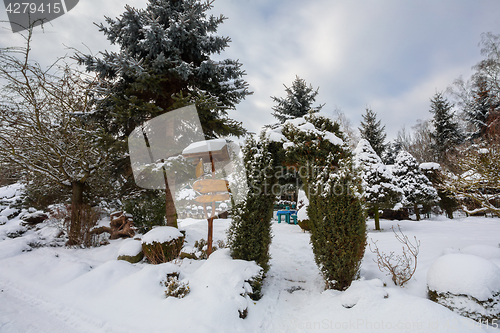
288,214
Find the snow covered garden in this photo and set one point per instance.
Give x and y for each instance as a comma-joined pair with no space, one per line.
46,287
131,202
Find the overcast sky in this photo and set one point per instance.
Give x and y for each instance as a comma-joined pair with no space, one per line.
389,55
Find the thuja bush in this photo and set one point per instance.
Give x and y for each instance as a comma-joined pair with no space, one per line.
249,235
338,229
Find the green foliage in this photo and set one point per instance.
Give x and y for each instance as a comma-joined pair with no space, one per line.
304,225
337,222
446,135
165,49
249,235
256,283
147,208
132,259
200,246
298,101
40,193
467,306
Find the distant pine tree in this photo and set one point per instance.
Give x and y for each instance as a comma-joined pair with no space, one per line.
446,134
418,190
298,101
485,104
373,131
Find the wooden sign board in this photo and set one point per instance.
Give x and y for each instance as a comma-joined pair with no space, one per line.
211,185
212,197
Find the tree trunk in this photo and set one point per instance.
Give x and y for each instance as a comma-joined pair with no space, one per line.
170,212
376,217
415,207
76,206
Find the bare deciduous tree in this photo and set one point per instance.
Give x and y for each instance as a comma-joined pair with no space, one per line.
43,126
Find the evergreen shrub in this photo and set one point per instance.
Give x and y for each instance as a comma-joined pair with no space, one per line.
147,208
249,236
158,253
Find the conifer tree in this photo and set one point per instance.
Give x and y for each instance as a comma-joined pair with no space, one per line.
298,101
379,185
417,188
446,134
373,131
164,61
165,50
249,235
484,105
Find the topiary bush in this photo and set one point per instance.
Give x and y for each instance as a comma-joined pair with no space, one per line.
249,235
338,228
162,244
466,284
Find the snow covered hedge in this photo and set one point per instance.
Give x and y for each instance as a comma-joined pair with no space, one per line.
467,284
162,244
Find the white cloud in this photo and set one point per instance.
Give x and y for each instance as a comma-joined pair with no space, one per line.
389,54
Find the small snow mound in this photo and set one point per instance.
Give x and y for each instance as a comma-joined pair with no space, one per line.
429,166
161,235
464,274
130,247
483,251
363,291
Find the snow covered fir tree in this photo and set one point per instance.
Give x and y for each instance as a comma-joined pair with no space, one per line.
417,188
446,134
381,190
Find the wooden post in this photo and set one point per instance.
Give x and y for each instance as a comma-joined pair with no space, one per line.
211,219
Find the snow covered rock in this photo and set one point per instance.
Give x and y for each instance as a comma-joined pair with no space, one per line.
131,251
3,220
467,284
34,218
162,244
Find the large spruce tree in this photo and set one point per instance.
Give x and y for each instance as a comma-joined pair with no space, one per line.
164,62
446,133
298,101
373,131
166,49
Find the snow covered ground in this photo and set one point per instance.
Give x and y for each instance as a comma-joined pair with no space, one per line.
56,289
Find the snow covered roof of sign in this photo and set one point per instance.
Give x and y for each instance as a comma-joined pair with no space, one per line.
204,146
430,166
